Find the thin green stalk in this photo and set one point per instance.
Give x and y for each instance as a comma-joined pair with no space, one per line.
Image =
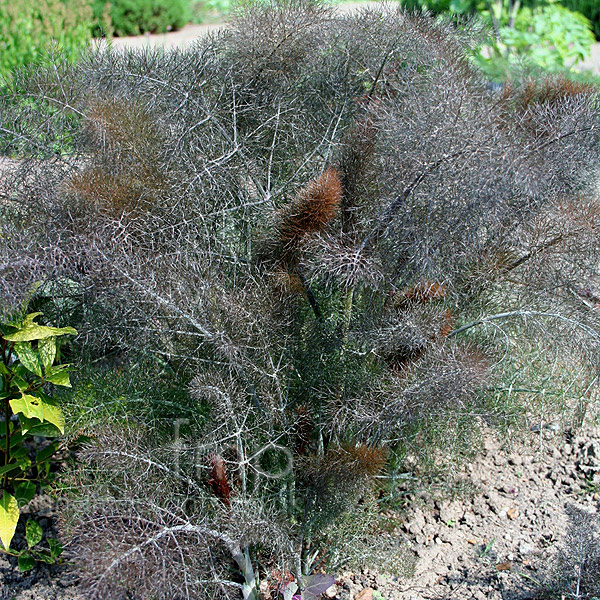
320,441
348,303
347,316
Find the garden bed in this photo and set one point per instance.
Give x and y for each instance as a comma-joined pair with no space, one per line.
497,540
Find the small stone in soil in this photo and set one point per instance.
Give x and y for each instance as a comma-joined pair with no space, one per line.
365,594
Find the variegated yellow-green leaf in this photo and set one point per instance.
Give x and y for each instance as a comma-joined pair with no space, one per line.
30,331
40,407
29,358
30,318
47,351
9,517
58,375
38,332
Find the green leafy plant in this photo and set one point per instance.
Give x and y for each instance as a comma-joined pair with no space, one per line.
486,552
588,8
29,355
544,33
589,486
133,17
34,551
205,10
102,20
28,30
442,6
550,35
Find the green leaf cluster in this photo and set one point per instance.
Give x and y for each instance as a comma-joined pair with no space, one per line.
589,9
550,36
133,17
29,29
545,33
29,355
9,511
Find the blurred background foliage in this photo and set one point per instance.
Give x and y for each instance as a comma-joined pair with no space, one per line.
29,30
549,34
134,17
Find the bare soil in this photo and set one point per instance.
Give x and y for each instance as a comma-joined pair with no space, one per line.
496,543
500,543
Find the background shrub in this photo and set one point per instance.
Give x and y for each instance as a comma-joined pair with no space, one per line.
207,10
132,17
541,33
28,29
440,6
102,20
549,36
588,8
